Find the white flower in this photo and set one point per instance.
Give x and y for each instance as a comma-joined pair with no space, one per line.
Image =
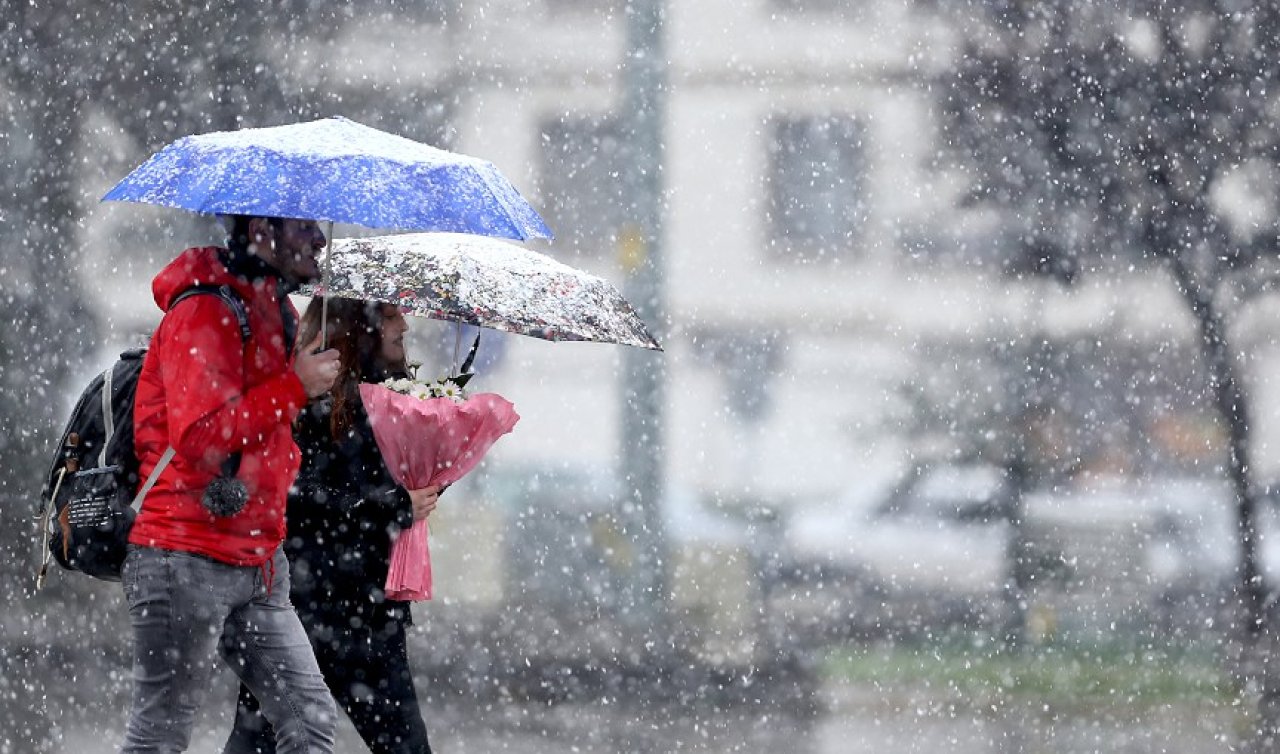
449,389
398,385
441,388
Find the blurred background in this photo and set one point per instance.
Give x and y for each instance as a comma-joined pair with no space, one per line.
964,437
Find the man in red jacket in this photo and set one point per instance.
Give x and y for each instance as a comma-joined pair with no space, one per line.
201,574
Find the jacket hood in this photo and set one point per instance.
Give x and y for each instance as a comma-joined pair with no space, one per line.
208,394
209,265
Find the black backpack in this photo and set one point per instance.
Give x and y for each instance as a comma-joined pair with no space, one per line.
88,503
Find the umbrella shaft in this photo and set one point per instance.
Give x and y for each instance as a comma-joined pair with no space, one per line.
457,345
324,298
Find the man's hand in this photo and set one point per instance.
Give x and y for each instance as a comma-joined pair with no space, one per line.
424,501
316,369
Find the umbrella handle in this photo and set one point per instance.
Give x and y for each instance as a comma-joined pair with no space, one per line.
465,369
471,355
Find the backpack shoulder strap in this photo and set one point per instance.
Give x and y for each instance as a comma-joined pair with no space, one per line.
228,296
169,453
232,300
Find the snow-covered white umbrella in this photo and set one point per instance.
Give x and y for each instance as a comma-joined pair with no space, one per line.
486,282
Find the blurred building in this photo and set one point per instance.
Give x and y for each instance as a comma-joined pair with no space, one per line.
829,311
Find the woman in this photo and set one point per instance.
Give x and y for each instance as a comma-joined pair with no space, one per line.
342,512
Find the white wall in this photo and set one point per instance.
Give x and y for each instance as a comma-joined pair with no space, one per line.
848,329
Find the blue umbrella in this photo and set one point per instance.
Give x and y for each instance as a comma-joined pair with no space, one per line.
333,169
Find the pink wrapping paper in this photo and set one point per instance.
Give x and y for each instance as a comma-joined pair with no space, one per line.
424,443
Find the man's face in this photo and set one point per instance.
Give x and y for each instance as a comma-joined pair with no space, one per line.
291,246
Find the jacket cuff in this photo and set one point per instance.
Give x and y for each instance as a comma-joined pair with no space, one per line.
396,500
289,394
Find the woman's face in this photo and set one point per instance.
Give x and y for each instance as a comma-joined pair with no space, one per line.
392,328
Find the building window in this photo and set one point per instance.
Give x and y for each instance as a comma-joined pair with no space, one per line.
582,182
433,12
607,7
422,115
842,10
817,186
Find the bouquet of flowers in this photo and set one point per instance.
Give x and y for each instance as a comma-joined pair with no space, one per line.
430,433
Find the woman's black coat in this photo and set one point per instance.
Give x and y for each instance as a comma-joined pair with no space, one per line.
343,509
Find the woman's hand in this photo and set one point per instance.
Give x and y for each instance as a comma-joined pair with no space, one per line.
424,501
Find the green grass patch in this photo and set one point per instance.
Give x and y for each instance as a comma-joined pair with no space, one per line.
1075,676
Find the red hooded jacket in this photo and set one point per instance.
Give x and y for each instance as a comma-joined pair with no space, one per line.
207,393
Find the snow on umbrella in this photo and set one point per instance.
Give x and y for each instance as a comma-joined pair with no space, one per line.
333,169
485,282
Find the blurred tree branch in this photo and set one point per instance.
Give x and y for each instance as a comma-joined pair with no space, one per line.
1115,129
159,69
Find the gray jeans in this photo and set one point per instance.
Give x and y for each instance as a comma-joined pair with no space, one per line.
182,607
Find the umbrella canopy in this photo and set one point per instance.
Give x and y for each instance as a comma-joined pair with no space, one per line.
333,169
486,282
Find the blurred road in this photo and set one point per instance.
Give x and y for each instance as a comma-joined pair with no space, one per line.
856,720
